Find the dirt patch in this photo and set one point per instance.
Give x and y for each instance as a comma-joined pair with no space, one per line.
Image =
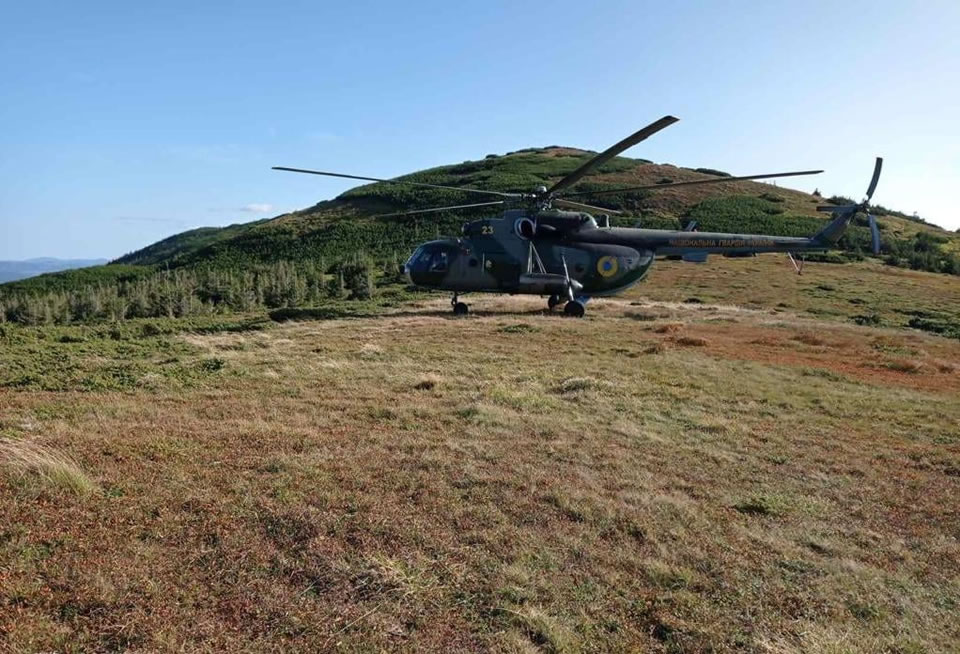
853,357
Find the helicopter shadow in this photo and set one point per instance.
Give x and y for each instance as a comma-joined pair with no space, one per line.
339,313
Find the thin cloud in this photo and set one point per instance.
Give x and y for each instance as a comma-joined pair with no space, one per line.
257,207
321,136
253,207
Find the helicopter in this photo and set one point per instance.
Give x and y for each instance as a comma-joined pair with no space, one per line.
536,248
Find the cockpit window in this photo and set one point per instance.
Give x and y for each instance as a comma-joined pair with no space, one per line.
439,262
415,256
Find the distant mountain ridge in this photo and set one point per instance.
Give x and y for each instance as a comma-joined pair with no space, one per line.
13,270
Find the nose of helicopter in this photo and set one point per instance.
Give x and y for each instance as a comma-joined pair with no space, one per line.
429,264
410,264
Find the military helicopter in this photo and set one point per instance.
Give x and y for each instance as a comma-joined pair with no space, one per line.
533,248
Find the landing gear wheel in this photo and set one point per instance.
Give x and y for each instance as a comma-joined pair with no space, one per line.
460,309
574,309
553,301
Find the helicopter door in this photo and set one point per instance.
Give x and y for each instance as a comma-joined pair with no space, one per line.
503,268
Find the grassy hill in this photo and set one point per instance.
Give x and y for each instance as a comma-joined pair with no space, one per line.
338,229
346,223
170,249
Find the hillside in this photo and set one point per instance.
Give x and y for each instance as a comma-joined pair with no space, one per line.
170,249
335,229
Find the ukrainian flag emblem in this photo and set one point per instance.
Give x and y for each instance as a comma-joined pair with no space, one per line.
607,266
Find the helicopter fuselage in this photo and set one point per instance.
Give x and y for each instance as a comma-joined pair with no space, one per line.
542,254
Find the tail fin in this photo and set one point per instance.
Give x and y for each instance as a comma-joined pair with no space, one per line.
833,230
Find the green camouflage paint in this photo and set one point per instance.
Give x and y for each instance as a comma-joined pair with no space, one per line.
495,254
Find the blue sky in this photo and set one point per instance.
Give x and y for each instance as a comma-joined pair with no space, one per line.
123,123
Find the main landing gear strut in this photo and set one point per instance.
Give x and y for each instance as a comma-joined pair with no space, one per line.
459,308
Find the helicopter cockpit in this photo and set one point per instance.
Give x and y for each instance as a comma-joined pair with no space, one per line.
430,260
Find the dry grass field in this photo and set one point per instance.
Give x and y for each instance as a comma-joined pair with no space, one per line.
721,460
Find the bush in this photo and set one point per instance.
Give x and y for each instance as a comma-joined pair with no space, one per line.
936,325
358,279
871,320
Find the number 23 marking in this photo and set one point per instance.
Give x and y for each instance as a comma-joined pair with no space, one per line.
486,230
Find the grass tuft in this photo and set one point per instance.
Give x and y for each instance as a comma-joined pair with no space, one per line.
761,505
577,385
668,328
667,576
808,338
543,630
656,348
426,384
519,328
59,470
946,366
911,366
691,341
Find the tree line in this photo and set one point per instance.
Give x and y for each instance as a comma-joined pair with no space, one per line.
189,292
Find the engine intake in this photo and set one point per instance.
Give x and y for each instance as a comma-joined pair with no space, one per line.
525,228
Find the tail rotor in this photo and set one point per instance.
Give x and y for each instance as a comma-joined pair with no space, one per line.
864,207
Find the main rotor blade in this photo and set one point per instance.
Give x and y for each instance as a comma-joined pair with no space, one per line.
580,205
395,181
875,178
435,209
611,152
696,182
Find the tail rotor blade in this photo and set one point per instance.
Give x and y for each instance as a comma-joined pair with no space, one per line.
874,234
875,178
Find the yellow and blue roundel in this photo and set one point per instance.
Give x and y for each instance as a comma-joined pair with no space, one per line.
607,266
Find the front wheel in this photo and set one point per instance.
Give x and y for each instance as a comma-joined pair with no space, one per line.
460,309
574,309
553,301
